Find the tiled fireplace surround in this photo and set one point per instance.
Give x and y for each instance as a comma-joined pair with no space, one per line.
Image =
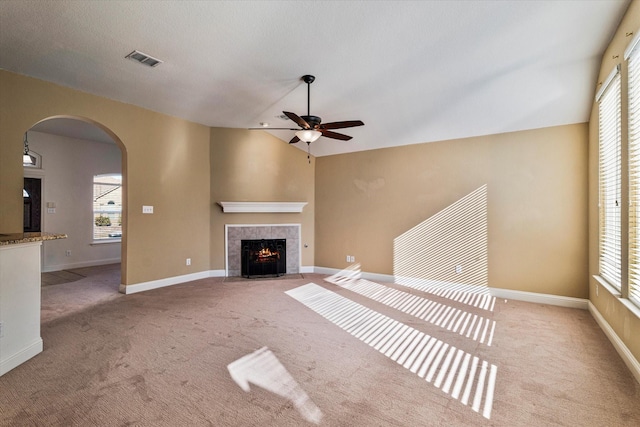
235,233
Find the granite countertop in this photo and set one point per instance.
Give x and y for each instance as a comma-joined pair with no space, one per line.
16,238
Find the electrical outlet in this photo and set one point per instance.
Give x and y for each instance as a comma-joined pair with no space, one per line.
188,261
67,252
348,258
353,258
147,209
458,269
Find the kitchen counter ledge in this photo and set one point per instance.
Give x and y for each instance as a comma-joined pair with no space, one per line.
17,238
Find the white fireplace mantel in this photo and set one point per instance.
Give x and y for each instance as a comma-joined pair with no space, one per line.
262,207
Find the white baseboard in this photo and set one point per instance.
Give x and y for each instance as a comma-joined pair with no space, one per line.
217,273
376,277
368,276
325,270
155,284
496,292
20,357
169,281
569,302
307,269
83,264
624,352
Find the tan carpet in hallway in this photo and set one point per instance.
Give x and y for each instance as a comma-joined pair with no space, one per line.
159,358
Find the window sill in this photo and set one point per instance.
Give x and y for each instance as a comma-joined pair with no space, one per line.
105,242
613,291
634,309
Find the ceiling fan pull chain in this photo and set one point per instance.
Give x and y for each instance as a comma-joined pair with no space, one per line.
309,152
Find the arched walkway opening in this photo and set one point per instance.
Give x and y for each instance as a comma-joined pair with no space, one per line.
80,175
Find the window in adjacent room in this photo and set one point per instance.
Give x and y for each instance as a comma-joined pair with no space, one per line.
608,98
107,207
634,173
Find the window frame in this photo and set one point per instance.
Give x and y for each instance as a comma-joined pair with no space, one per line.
610,204
632,58
114,213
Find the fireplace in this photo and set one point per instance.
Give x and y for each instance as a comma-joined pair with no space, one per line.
236,233
264,257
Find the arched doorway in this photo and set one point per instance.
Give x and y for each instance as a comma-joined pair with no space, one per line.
72,151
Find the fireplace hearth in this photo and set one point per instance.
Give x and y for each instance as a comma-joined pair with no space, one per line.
264,257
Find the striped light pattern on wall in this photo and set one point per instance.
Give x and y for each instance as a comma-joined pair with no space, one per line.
448,249
459,374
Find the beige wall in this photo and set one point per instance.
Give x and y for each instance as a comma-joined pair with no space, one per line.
536,201
625,323
253,166
165,164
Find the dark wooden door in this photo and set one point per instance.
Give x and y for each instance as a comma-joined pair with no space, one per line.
32,204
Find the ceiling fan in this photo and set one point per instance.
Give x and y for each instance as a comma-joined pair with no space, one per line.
311,127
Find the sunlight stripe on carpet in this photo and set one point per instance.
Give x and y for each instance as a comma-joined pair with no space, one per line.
428,357
453,319
472,295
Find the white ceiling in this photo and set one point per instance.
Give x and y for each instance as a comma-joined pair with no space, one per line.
413,71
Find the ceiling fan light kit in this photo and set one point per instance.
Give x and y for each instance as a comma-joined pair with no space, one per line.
312,128
307,135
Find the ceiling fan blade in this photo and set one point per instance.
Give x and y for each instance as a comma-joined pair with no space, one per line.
335,135
299,120
342,125
294,140
268,128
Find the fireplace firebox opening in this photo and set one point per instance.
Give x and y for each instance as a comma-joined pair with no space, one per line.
264,257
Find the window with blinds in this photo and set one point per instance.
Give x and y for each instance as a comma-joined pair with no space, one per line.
634,174
107,207
610,179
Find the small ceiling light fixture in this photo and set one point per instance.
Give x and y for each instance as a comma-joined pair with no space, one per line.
264,124
143,58
26,158
308,135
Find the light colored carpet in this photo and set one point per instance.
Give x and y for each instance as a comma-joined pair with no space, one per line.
161,357
59,277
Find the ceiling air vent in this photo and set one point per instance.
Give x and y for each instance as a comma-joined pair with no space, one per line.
143,58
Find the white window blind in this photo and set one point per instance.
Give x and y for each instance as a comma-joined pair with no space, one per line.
634,175
609,180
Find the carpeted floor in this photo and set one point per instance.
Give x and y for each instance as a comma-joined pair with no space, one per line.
59,277
165,357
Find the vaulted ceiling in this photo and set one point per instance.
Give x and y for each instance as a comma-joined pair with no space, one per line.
413,71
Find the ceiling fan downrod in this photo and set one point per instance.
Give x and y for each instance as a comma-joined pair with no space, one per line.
308,79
